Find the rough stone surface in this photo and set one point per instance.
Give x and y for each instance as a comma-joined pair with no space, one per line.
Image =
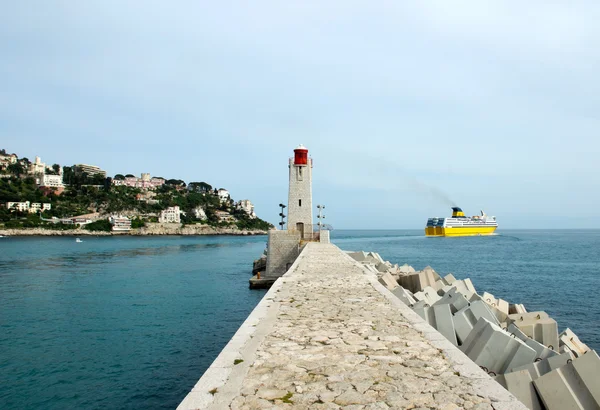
340,340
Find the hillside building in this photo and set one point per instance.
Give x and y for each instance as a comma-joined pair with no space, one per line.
170,215
37,167
91,170
145,182
52,181
29,207
223,216
223,195
246,206
120,223
199,213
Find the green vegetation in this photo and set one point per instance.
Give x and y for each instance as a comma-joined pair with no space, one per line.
85,194
287,398
99,225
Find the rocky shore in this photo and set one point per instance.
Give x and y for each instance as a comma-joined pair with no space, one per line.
149,229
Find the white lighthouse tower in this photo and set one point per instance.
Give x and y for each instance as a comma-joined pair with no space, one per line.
300,216
284,246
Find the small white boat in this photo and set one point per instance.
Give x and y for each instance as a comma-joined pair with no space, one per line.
78,240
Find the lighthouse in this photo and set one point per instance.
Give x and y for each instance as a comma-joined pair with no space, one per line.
284,245
300,217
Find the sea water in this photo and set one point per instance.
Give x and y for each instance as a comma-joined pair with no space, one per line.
133,322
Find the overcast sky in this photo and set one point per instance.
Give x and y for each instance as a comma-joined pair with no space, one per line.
406,107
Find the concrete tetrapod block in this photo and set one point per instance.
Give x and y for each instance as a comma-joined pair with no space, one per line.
417,281
516,309
541,351
439,317
382,267
406,268
456,300
540,368
375,256
388,281
573,386
428,294
420,309
358,256
465,287
570,342
521,317
439,285
497,303
404,295
543,330
444,323
449,279
466,318
520,384
493,348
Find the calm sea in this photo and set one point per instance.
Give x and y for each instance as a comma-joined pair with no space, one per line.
132,322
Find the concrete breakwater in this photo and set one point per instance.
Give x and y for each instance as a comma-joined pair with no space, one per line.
150,229
329,335
522,350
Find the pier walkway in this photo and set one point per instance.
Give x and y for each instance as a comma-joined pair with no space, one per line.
328,335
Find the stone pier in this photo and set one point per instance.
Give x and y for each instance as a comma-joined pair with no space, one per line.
328,335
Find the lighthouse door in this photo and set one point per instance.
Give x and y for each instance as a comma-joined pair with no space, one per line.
300,227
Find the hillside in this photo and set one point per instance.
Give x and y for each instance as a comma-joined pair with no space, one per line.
96,197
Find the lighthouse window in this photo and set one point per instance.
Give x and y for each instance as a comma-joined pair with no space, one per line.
299,202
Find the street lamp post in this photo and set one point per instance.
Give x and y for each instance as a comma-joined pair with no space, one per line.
282,215
320,216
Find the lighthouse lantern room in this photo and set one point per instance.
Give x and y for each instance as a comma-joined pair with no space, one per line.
300,193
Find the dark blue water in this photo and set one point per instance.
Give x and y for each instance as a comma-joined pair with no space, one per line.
131,322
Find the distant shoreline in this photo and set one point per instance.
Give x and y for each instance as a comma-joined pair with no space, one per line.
161,230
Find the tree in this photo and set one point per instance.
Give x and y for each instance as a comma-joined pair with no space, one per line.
119,177
199,187
129,176
56,168
68,175
178,182
16,169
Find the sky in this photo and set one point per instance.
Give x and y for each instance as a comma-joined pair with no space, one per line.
406,107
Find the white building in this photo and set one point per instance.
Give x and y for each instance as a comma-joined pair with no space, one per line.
224,216
145,182
37,167
89,169
170,215
18,206
120,223
28,207
199,213
246,206
53,181
37,207
6,160
76,221
223,195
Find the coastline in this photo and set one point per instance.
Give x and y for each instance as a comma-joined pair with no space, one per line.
153,229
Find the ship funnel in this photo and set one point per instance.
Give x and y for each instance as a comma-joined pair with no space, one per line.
457,213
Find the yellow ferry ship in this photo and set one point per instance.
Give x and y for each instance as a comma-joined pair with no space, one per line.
461,225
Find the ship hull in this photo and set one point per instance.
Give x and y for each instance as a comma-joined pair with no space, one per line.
460,231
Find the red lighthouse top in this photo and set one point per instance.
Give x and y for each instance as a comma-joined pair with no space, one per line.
301,155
